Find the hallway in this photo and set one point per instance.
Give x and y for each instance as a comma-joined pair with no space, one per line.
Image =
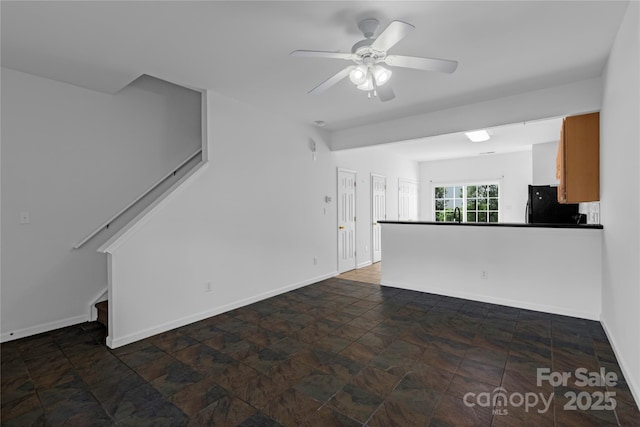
369,274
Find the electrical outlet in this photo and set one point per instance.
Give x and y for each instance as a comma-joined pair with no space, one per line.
484,274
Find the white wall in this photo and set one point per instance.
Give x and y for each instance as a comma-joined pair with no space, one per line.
512,171
73,157
250,223
546,269
564,100
366,161
543,161
620,195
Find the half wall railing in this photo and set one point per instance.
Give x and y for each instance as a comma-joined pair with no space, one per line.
114,217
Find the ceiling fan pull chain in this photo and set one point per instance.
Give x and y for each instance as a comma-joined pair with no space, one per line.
374,84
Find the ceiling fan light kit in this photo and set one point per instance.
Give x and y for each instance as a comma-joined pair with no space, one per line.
381,74
367,74
363,77
358,75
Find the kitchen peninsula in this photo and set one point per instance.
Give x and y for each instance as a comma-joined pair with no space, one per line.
555,268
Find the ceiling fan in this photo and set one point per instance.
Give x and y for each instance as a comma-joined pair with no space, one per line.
367,73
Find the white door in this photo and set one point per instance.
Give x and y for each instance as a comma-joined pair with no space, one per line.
346,220
378,213
407,200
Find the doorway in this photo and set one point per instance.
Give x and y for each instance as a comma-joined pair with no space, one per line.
346,220
407,200
369,274
378,213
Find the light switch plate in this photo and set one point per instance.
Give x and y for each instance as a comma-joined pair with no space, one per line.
25,217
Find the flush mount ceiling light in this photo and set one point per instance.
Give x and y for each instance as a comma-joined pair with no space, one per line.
368,74
478,135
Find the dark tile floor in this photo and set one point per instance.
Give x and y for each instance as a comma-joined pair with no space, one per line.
336,353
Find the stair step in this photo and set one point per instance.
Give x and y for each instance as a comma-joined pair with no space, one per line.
103,312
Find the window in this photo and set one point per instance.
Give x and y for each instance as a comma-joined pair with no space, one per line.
477,202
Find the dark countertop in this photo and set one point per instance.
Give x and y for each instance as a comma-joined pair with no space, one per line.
499,224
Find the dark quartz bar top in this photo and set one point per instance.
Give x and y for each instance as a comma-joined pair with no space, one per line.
497,224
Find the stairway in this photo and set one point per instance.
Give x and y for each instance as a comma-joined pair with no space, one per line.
103,313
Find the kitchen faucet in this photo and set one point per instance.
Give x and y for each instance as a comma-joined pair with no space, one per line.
459,212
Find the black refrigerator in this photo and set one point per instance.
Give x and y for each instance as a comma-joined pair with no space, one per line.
543,207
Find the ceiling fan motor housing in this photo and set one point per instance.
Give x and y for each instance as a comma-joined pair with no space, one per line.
368,27
362,48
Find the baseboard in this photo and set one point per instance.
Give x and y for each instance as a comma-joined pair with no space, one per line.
128,339
44,327
631,381
364,264
501,301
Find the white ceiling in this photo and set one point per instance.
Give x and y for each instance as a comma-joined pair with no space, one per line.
240,49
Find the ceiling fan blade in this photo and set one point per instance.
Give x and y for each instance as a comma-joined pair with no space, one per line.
321,54
331,80
395,32
426,64
385,93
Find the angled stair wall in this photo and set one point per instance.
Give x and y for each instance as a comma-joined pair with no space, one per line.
72,158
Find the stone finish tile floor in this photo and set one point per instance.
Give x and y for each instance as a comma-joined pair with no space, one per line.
336,353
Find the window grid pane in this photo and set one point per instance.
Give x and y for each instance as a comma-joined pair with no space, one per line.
477,203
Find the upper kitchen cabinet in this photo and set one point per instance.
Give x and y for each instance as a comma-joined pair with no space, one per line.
578,161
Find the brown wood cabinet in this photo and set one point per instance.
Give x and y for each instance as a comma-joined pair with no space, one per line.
578,161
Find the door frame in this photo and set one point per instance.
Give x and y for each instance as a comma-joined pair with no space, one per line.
377,175
355,210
